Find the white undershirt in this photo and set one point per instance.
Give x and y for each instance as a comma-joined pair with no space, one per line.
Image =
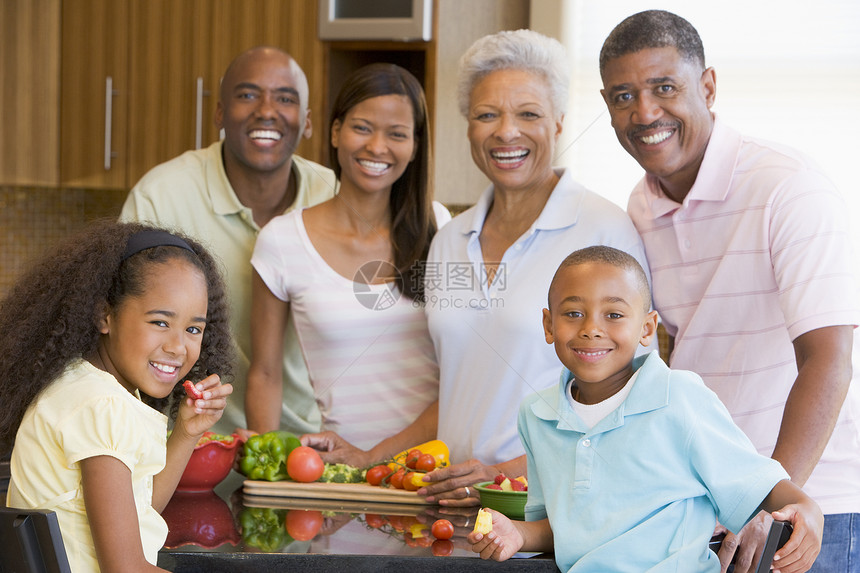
591,414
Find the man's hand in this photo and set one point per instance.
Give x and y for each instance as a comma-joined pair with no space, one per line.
746,546
333,449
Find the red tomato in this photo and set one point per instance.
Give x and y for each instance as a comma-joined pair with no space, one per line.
396,479
412,458
373,520
442,547
303,524
442,529
305,465
376,474
426,463
396,522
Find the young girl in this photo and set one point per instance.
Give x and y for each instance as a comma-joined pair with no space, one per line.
351,271
113,321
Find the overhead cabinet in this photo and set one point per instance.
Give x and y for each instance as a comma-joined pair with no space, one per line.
140,77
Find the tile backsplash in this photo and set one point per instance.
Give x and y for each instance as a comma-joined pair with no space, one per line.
34,219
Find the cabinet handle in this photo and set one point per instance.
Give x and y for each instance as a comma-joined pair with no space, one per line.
198,117
109,93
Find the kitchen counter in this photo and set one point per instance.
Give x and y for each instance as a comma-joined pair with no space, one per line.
321,563
229,530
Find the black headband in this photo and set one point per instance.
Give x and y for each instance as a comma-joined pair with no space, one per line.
149,239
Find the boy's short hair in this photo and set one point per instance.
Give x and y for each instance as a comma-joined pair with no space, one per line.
609,256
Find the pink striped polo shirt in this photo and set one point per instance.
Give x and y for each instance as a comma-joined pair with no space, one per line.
758,253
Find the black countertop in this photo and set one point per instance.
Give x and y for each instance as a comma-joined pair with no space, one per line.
227,530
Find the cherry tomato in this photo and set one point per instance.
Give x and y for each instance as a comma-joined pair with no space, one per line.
303,524
442,529
396,522
376,474
305,465
374,520
442,547
426,463
412,458
396,479
412,481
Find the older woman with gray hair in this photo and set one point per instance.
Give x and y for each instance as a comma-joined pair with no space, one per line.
489,269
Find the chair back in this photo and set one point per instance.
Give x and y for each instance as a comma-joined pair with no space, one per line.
30,542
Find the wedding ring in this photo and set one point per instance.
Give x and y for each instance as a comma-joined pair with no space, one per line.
468,494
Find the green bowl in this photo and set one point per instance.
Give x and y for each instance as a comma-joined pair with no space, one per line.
510,503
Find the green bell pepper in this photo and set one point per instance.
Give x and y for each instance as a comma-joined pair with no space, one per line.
264,456
264,529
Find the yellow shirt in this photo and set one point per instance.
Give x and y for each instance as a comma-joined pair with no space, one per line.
82,414
191,194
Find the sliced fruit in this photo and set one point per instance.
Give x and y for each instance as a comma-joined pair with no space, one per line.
484,522
517,485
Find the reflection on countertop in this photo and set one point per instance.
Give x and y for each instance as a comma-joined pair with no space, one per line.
228,530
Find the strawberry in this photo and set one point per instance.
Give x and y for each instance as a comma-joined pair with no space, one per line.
499,479
493,486
192,390
517,485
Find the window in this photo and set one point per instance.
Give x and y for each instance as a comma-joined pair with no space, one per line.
788,71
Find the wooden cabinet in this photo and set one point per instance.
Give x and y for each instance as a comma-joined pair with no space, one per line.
140,77
29,92
95,87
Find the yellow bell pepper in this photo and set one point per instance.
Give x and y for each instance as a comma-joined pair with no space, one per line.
437,448
418,530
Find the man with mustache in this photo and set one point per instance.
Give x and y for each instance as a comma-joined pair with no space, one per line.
222,195
750,254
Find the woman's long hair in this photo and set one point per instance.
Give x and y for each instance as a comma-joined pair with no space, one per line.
412,221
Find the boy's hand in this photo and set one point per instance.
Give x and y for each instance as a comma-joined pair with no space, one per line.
199,415
801,549
499,544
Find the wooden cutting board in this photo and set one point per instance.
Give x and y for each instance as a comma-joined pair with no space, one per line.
333,491
339,505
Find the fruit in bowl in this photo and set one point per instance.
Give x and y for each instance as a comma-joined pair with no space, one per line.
210,462
505,495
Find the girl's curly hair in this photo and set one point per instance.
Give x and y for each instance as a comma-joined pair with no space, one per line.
51,315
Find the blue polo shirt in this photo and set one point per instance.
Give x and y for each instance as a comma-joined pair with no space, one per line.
643,488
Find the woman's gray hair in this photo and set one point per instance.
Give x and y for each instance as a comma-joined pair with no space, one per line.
515,50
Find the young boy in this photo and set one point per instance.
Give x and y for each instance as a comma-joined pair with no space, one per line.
630,464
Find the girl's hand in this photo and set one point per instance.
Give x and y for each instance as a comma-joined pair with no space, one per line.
801,549
499,544
197,416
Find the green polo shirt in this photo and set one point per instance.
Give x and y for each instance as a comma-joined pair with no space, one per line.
192,195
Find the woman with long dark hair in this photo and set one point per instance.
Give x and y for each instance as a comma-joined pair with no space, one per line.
351,272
